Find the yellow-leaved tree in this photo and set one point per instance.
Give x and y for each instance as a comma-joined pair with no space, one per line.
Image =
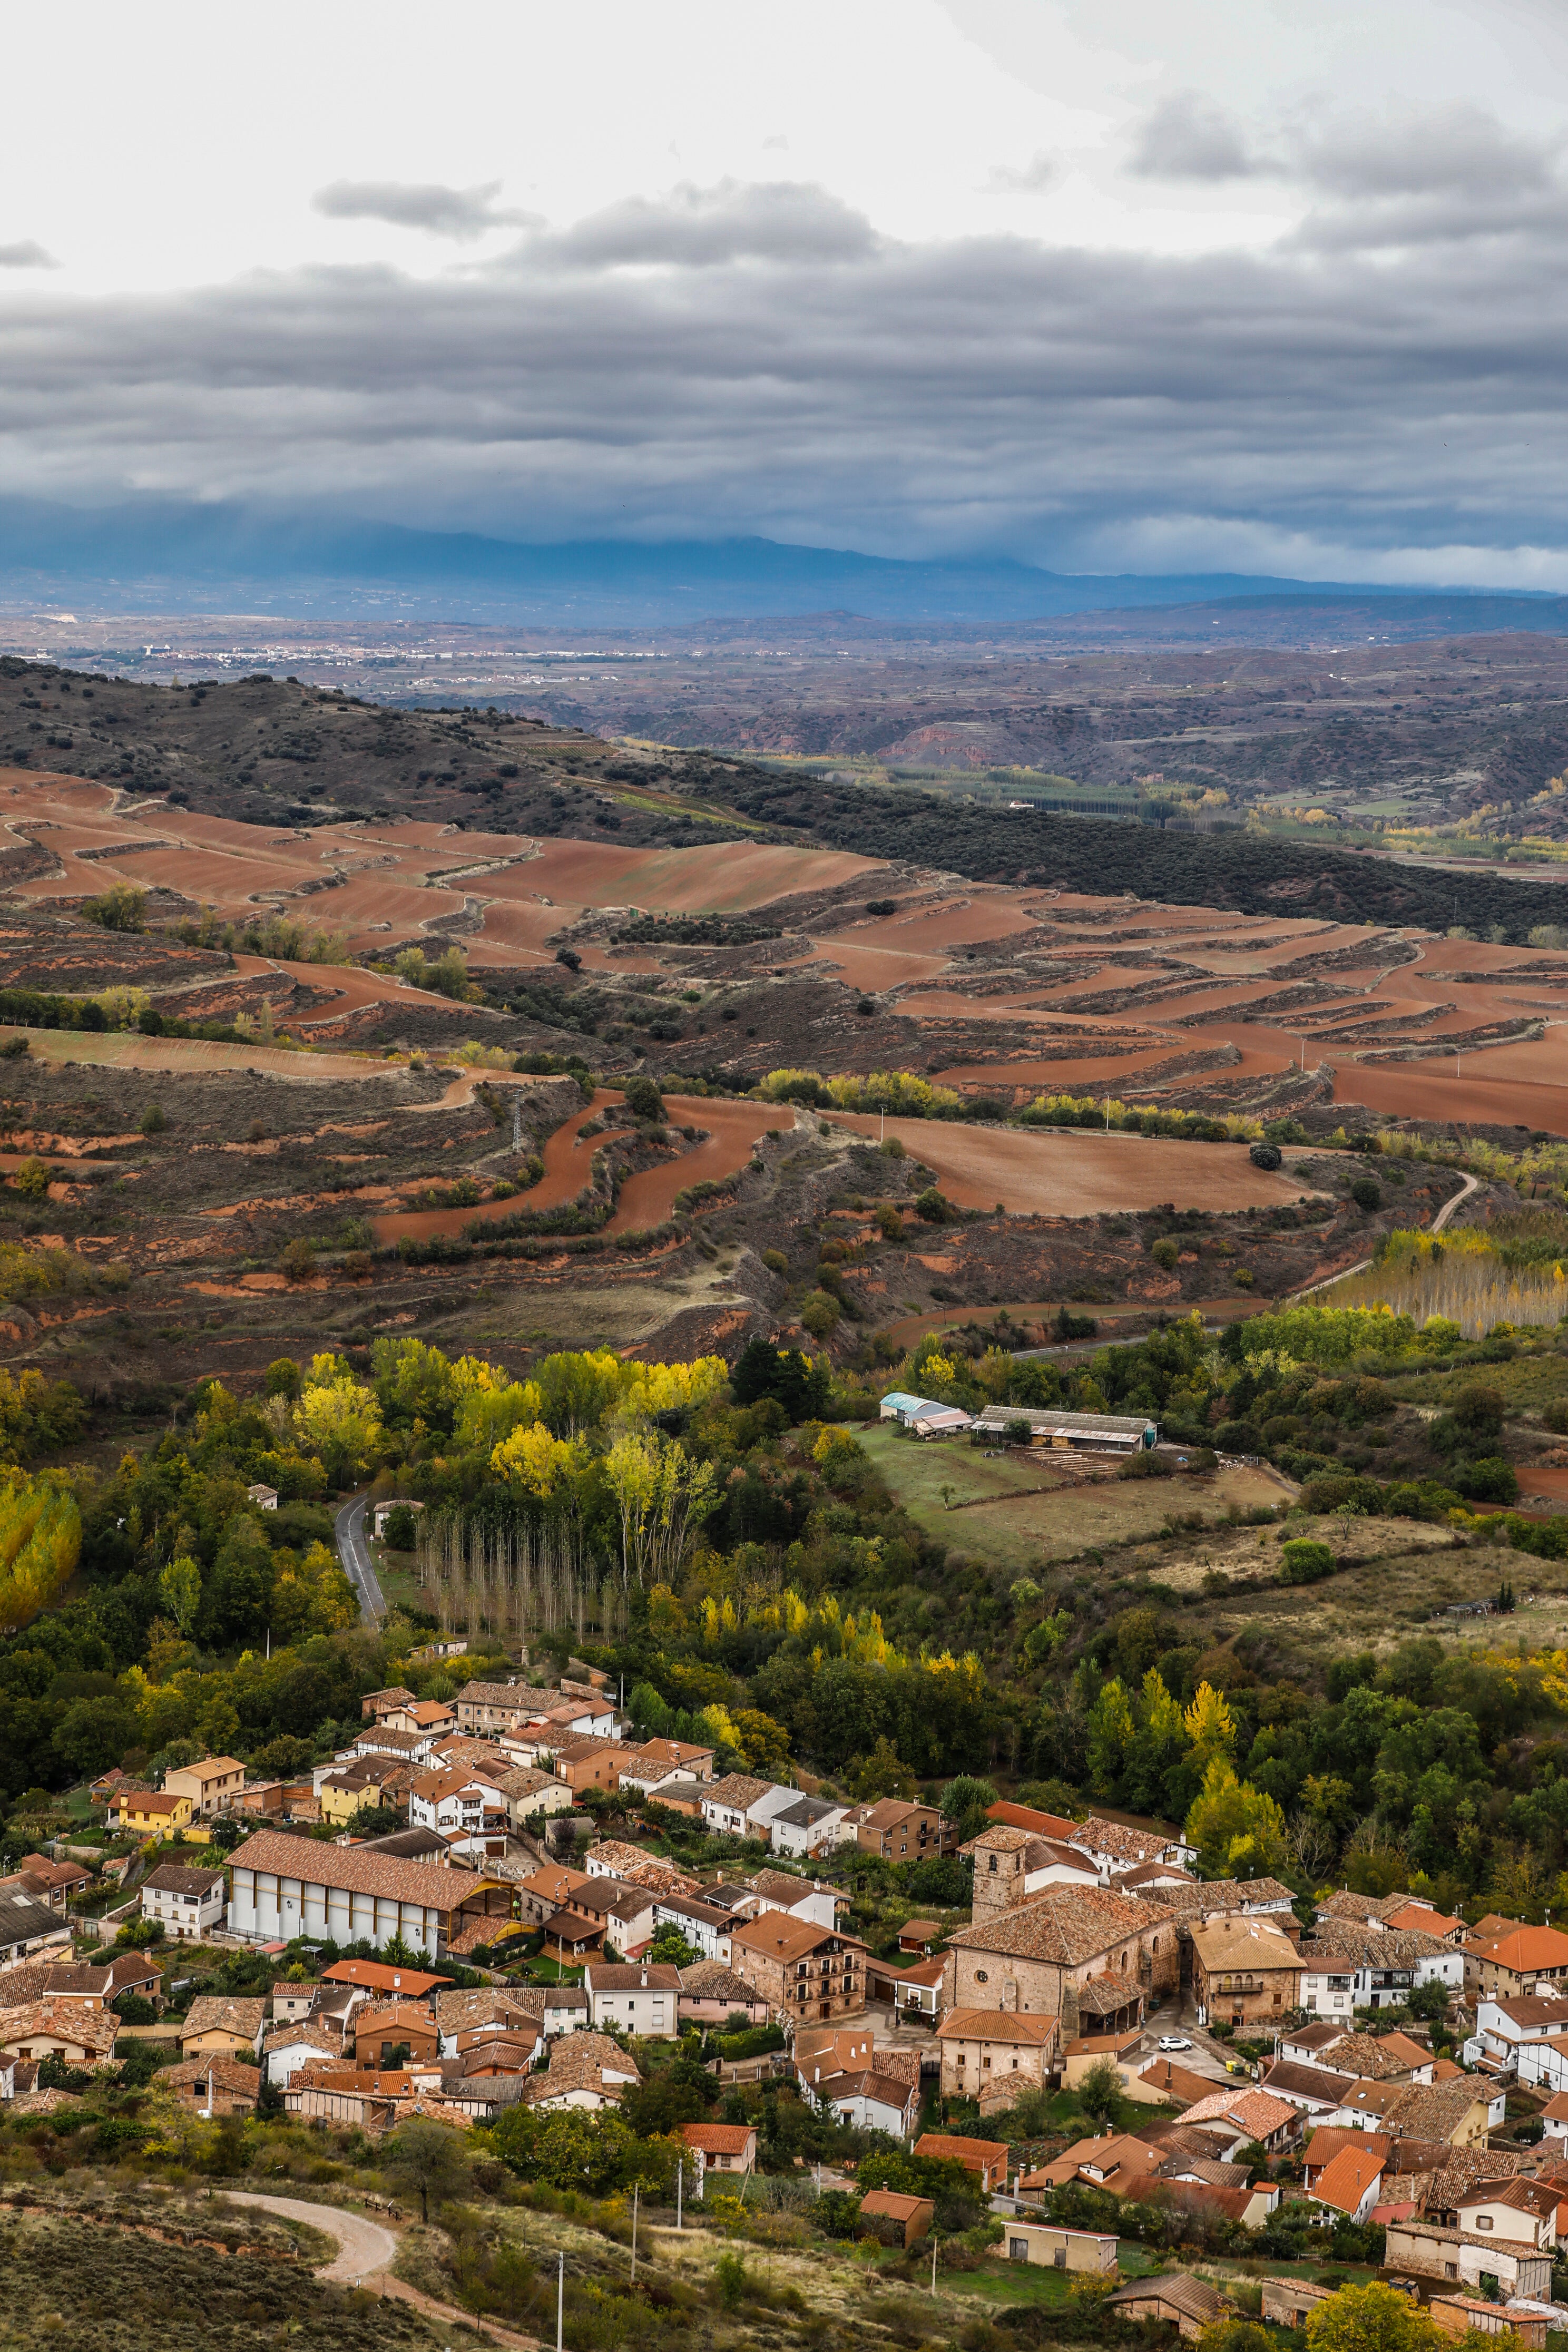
41,1543
1238,1830
663,1497
537,1463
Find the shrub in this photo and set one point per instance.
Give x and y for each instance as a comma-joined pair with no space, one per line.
775,1261
1244,1277
1018,1433
153,1121
33,1179
821,1315
1165,1253
1304,1560
1146,1465
398,1532
931,1205
1555,1417
889,1224
570,958
881,905
1266,1155
14,1048
299,1260
1489,1480
122,907
1367,1192
643,1098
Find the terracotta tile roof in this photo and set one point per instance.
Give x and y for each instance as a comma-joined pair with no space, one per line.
1524,1950
738,1792
892,2207
1367,2059
225,2074
893,2091
92,2030
956,2149
1065,1924
302,2032
357,1870
212,2012
460,2009
996,2025
584,2061
383,2015
1120,1842
1199,1898
1346,2178
1194,2296
627,1976
174,1878
1332,2139
379,1976
719,2139
1024,1817
1425,1916
711,1981
1257,2112
1286,2079
1377,1947
778,1935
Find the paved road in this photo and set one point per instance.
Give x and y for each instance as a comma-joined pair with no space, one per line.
355,1553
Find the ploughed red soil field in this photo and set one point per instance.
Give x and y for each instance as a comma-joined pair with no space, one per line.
1074,1171
1148,1003
645,1197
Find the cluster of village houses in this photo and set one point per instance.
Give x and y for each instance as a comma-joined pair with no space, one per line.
1078,1931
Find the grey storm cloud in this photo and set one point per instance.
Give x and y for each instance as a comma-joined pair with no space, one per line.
701,228
462,212
1190,138
694,367
28,255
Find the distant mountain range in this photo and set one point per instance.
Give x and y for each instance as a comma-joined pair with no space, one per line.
150,557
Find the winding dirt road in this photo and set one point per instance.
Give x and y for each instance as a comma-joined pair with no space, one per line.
366,2252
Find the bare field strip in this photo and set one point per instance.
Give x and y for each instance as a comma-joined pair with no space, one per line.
1076,1171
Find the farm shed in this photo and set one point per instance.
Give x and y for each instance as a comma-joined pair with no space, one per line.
1058,2249
1081,1433
921,1414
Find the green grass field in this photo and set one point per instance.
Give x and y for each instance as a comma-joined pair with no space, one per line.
1039,1527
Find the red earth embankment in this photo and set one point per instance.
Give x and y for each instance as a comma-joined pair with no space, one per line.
645,1197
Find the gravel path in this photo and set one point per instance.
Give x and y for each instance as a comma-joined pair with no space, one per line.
364,2247
365,2254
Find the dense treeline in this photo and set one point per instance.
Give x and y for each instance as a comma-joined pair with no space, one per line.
1254,875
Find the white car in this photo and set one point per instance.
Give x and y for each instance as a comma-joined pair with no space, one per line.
1174,2041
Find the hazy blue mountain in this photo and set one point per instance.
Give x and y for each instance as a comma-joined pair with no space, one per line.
178,557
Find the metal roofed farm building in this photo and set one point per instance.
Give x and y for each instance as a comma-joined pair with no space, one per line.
922,1414
1081,1433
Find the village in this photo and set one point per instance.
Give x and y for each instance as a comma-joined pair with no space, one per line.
1088,1959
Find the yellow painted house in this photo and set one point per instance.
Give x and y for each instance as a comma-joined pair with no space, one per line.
153,1812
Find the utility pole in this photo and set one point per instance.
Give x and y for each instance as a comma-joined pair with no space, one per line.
933,2265
560,2298
679,2190
636,2192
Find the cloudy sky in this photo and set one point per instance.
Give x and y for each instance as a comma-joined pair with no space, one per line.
1101,284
